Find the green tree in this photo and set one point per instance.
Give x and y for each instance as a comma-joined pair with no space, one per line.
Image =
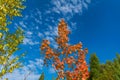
106,71
41,77
110,70
116,64
94,67
9,42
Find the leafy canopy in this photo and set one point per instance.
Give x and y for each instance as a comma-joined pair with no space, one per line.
8,10
68,60
9,42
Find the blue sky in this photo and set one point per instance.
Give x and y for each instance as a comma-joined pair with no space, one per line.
96,23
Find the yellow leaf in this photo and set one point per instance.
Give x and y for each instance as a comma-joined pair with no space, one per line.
6,79
3,71
1,35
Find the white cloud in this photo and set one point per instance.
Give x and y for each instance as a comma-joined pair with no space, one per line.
22,24
35,20
40,35
71,7
29,33
38,21
28,41
17,75
37,27
37,62
26,17
52,70
29,71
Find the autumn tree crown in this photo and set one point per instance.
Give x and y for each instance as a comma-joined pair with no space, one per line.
67,60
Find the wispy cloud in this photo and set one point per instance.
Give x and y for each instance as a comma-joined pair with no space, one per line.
22,24
69,7
52,70
39,25
29,71
35,20
28,41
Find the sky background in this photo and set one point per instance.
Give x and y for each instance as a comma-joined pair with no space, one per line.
96,23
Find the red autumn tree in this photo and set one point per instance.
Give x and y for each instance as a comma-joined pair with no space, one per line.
68,60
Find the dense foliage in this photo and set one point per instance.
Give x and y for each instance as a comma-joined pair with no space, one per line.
9,42
68,60
108,71
8,10
94,67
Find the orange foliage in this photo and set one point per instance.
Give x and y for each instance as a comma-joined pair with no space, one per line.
68,60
